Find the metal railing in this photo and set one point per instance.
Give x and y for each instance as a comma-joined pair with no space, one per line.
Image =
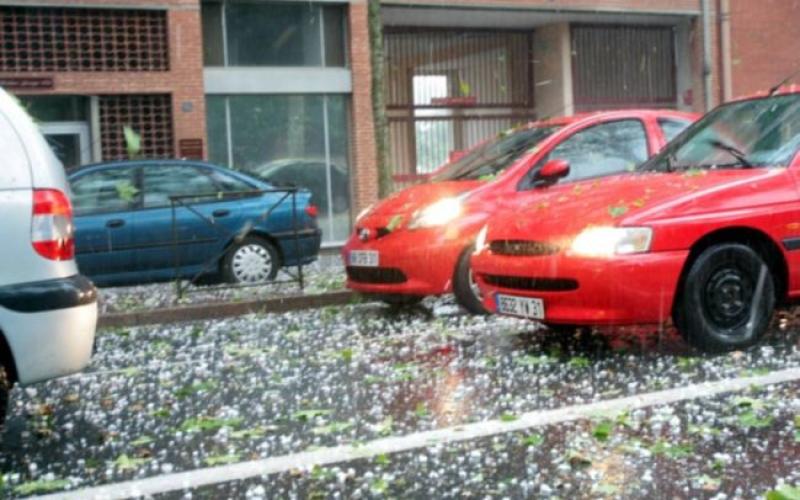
229,236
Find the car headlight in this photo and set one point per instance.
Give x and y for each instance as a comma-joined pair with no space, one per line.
610,241
364,212
437,214
480,241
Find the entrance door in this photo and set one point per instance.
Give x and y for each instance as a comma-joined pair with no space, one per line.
69,141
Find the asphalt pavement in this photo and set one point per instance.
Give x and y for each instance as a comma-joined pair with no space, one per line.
362,401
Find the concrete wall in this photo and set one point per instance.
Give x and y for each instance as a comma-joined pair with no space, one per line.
552,71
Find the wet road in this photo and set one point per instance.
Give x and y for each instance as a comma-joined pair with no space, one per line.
162,400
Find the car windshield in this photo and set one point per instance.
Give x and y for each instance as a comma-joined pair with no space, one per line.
753,133
492,158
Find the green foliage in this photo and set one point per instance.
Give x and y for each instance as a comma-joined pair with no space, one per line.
204,423
230,458
784,492
133,142
40,486
124,462
533,440
602,430
306,415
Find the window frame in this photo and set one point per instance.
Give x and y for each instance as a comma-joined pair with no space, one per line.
137,178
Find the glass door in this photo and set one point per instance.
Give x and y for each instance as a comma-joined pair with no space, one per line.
69,141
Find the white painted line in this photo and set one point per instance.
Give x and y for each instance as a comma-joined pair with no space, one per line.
326,456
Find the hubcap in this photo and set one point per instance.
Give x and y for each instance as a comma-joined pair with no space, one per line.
473,286
251,264
728,297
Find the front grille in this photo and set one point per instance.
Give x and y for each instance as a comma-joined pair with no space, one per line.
376,275
535,284
522,247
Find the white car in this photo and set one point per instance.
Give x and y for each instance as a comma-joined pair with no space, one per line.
48,312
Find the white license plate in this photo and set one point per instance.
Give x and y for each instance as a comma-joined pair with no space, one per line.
364,258
520,306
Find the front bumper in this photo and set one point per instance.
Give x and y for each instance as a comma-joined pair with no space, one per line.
49,326
625,290
419,262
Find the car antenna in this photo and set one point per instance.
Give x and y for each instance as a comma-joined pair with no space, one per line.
783,82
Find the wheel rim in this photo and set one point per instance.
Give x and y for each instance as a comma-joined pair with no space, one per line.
474,288
728,297
251,264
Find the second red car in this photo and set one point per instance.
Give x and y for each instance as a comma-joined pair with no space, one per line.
418,241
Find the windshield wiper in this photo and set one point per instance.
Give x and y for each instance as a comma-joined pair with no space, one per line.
733,151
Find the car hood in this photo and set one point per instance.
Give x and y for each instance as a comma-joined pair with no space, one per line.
631,199
411,199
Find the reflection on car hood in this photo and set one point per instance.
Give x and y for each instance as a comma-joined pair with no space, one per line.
411,199
631,199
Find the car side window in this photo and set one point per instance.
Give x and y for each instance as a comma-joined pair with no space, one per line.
162,181
229,184
603,149
671,128
107,190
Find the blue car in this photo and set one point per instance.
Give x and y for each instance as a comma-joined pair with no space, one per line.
225,227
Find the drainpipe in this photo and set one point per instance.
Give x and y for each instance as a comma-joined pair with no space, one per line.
706,12
725,48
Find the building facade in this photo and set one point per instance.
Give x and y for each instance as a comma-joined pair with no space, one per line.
284,88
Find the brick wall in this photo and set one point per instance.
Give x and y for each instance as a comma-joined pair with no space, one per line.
364,172
183,81
765,43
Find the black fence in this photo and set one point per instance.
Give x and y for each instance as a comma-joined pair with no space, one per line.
225,235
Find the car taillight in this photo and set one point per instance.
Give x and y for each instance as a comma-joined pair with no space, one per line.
312,210
51,227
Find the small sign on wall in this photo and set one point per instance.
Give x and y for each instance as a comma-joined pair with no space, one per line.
26,83
191,149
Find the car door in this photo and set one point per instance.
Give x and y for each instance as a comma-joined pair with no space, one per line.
603,149
105,201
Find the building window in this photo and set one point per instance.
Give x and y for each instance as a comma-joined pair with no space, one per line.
150,116
247,33
66,39
288,139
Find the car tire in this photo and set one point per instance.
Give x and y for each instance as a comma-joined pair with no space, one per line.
251,261
5,388
399,300
464,287
727,299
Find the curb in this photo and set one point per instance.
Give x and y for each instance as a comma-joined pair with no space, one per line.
224,310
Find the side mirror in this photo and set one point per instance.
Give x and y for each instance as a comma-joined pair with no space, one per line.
552,171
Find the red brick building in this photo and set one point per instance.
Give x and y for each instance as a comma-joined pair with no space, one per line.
270,85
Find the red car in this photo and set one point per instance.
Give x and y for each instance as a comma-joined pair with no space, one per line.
706,233
418,241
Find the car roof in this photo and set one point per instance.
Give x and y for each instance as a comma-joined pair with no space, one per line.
613,114
782,90
143,162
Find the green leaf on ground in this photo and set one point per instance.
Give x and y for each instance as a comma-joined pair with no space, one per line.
579,362
204,423
671,450
230,458
40,486
124,462
533,440
421,410
507,417
306,415
141,441
602,431
784,492
331,428
752,419
382,459
379,486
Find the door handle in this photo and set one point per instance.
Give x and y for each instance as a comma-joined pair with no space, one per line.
115,223
221,212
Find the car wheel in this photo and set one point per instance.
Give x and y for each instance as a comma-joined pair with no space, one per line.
727,299
465,288
399,300
250,261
